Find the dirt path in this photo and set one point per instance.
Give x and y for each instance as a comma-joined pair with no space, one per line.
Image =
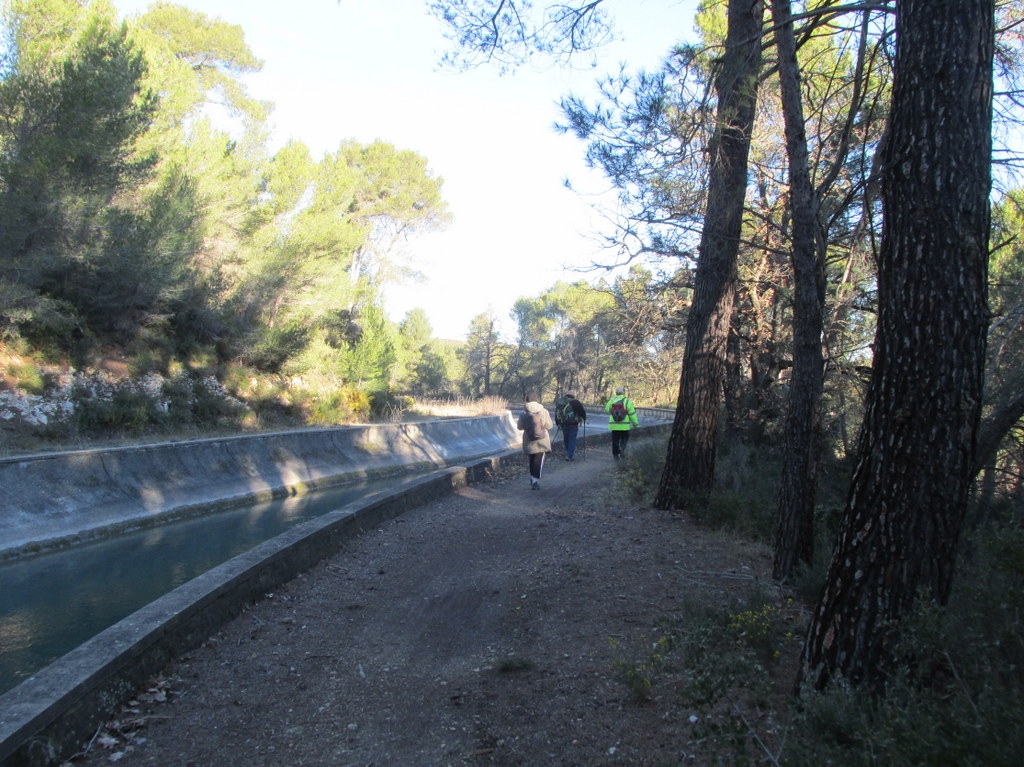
477,630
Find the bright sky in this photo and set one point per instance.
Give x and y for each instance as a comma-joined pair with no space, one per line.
368,70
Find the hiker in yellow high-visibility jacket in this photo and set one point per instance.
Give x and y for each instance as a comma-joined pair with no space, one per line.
621,418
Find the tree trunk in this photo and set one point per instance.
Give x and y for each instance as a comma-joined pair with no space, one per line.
995,427
690,461
901,527
794,541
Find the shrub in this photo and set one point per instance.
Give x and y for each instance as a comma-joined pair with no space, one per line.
387,406
343,405
957,696
27,377
718,660
96,404
640,471
198,400
102,406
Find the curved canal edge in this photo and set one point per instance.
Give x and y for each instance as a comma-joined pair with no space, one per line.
46,718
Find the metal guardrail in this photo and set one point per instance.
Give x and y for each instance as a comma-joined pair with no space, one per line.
660,414
643,413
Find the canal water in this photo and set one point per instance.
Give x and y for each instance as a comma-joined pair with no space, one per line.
51,603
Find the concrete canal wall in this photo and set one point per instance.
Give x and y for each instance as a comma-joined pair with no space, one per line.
47,718
61,499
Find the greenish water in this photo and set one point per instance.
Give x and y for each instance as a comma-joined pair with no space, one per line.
52,603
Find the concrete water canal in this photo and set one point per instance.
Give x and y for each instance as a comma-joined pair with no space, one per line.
108,513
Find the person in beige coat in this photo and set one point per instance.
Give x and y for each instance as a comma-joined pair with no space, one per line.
535,423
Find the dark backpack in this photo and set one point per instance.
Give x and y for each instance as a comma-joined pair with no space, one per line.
560,404
535,426
569,414
618,411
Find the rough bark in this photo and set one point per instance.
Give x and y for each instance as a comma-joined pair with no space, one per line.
899,536
690,460
794,541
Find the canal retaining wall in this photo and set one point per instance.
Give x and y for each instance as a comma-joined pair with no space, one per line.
45,719
55,500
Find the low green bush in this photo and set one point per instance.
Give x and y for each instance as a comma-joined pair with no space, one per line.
121,410
343,405
388,406
27,376
640,471
711,663
957,695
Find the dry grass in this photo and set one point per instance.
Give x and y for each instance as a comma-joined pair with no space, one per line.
460,407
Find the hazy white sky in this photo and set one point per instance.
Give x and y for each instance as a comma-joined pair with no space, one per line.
368,70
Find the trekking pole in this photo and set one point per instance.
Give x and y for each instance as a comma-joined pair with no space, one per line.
584,439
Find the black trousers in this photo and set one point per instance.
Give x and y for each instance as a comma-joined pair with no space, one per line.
619,440
536,464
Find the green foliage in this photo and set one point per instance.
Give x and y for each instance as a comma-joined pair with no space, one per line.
73,405
132,222
727,650
423,367
270,397
639,472
636,669
190,399
715,660
910,726
579,336
71,109
959,696
369,363
743,512
388,406
433,374
333,407
25,314
956,698
742,501
26,376
124,410
198,59
485,357
274,346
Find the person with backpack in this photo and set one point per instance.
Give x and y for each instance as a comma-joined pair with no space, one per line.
560,404
534,424
571,416
621,418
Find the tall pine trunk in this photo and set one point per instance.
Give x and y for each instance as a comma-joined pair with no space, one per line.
690,461
794,542
899,536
